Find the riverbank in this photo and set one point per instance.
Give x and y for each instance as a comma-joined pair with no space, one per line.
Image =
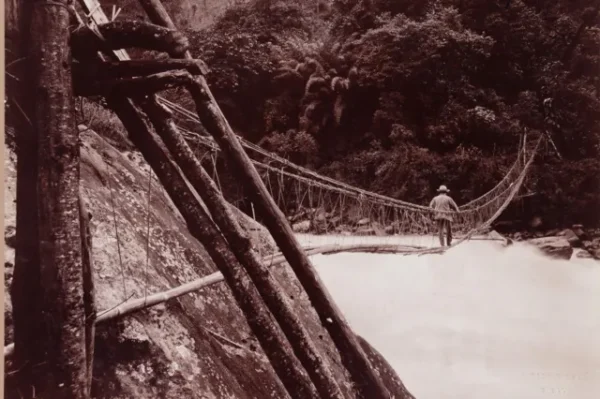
562,243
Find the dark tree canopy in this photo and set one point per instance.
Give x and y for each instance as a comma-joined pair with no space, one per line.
401,96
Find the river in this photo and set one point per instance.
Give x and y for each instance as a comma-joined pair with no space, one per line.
480,321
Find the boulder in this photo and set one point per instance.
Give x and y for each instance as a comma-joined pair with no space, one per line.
593,247
553,232
571,237
363,221
518,236
495,235
301,227
555,247
583,254
579,232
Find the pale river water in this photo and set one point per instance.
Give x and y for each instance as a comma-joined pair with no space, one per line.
480,321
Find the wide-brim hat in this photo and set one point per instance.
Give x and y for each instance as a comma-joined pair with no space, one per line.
443,189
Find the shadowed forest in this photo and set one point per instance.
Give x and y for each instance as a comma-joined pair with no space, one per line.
400,96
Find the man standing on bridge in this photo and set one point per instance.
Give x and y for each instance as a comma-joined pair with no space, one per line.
443,204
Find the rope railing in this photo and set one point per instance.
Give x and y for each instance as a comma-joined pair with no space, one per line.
392,217
475,206
508,179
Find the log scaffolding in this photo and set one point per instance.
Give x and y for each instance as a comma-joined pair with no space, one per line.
301,369
202,228
241,245
368,383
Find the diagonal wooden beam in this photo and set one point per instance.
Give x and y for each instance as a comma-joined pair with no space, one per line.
353,356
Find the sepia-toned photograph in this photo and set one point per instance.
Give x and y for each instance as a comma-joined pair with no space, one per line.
301,199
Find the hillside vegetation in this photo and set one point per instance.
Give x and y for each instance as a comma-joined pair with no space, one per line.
399,96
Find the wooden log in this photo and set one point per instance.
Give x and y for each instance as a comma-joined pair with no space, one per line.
96,14
158,15
130,68
89,297
58,190
126,34
353,356
285,364
391,379
11,18
137,304
136,86
267,286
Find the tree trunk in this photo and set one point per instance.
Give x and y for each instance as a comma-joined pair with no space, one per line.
120,69
58,188
126,34
264,281
353,356
287,367
136,86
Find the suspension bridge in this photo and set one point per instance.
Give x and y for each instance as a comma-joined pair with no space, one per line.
349,216
342,217
351,219
338,214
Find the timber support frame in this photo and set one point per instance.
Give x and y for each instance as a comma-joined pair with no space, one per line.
63,228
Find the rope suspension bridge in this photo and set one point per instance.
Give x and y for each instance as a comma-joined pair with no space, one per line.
354,218
351,218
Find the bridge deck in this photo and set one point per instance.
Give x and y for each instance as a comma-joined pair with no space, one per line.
382,242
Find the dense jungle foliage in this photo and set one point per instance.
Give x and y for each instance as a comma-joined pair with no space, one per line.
400,96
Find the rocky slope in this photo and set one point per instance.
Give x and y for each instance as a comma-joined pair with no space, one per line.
563,244
197,346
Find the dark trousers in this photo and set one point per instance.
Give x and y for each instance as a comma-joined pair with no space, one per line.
444,224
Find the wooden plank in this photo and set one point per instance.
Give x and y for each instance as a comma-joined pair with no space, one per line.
96,16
